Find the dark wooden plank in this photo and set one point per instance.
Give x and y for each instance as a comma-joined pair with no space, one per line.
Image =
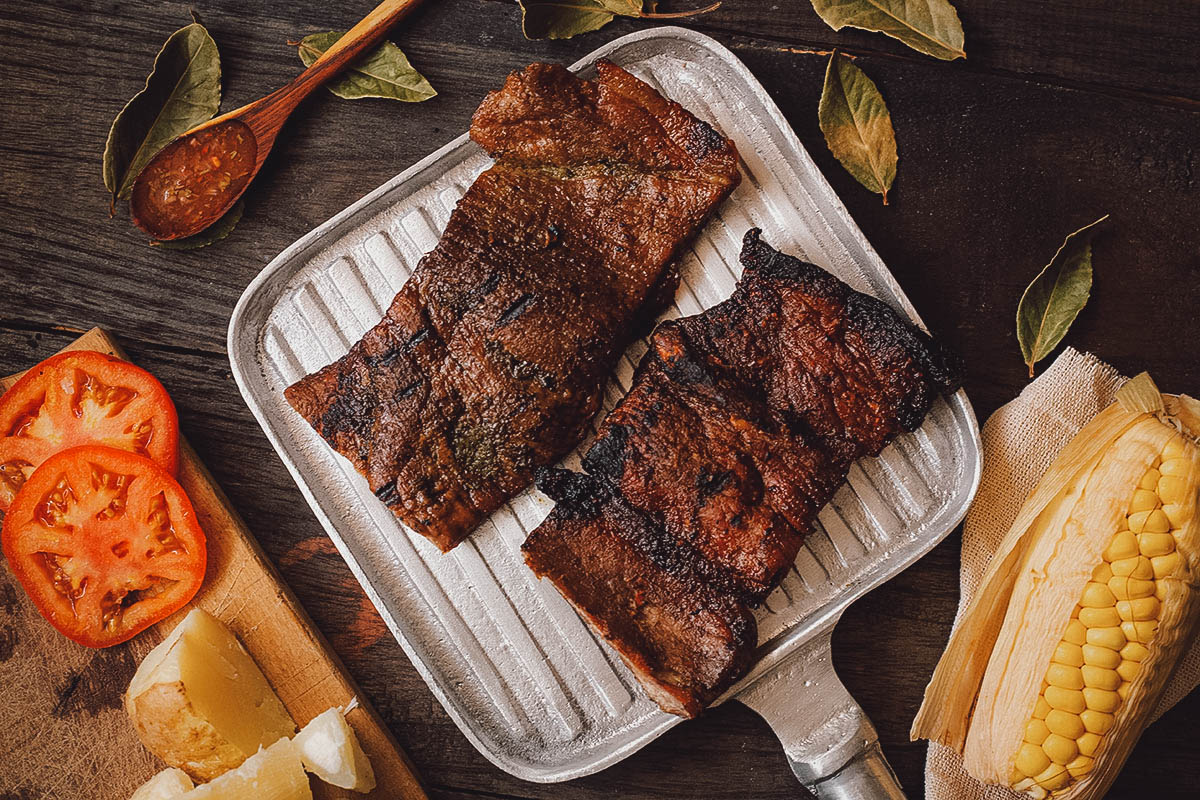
1145,49
994,171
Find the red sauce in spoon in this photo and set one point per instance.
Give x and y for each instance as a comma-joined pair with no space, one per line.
187,185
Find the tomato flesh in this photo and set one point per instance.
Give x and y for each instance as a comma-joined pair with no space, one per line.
105,542
83,397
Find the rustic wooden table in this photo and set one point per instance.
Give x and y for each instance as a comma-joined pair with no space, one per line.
1064,111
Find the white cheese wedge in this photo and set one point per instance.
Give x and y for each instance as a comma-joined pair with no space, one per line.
200,703
272,774
331,751
166,785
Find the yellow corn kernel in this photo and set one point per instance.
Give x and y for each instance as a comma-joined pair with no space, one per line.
1150,480
1160,591
1156,544
1079,767
1053,777
1100,617
1102,572
1174,467
1064,677
1137,521
1041,708
1124,588
1034,791
1065,699
1064,724
1031,759
1088,744
1097,722
1171,489
1128,670
1143,500
1136,567
1157,522
1144,608
1123,691
1036,731
1076,632
1139,631
1123,545
1097,656
1101,678
1112,638
1097,595
1166,565
1069,654
1061,749
1104,700
1134,652
1175,513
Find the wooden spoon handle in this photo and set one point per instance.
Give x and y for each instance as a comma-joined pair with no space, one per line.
369,32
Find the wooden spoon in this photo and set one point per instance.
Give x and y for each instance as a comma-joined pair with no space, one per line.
195,179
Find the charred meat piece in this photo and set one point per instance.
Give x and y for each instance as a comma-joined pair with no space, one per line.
833,362
702,458
740,425
684,641
492,358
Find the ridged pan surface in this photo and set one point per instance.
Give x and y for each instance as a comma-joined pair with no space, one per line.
516,668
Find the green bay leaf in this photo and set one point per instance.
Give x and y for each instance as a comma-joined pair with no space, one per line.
182,91
1055,297
857,125
930,26
384,72
562,19
213,233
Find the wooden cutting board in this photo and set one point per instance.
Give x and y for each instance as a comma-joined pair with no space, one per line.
63,731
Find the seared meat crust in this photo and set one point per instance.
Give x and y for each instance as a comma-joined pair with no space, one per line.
740,425
491,360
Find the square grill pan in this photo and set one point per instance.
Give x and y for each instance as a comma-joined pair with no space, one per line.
512,663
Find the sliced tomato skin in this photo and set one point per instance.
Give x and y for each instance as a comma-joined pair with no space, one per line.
153,405
91,544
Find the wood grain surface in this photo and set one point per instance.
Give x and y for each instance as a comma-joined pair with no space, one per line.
1064,110
65,712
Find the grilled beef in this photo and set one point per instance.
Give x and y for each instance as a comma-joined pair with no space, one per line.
491,360
702,483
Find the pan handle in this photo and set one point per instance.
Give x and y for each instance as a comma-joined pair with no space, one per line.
830,744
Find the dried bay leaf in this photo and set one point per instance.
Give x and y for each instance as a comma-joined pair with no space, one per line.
857,125
210,235
384,72
182,91
1056,296
929,26
562,19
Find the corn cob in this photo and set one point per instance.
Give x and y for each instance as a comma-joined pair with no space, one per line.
1084,610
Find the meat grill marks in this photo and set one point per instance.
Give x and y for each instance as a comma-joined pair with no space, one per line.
702,483
491,360
653,603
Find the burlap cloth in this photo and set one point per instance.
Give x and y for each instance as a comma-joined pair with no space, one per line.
1019,442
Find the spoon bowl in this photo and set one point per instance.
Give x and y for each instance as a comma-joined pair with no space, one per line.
193,181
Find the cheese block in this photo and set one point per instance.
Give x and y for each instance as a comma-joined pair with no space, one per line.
331,751
275,773
200,703
166,785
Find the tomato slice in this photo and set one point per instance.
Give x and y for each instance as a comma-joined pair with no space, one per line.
83,397
105,542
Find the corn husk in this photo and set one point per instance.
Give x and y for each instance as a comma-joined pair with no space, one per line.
989,678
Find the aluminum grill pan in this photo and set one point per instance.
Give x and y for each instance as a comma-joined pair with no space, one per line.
514,666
